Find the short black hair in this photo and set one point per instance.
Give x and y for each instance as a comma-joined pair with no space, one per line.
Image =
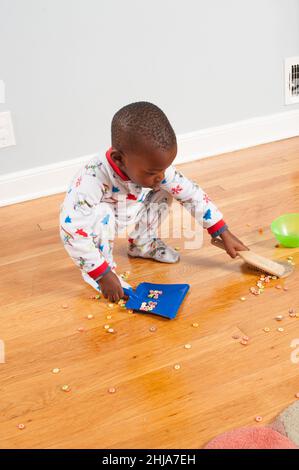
142,121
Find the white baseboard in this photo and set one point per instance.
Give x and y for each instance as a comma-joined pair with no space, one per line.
52,179
237,135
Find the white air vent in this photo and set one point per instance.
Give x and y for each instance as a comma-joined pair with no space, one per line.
292,80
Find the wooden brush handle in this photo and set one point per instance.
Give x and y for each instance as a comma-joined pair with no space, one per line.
259,262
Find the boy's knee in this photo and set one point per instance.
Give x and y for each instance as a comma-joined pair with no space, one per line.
159,197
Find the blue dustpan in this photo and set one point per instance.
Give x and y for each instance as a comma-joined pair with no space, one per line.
168,302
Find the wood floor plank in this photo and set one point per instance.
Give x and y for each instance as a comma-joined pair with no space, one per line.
220,385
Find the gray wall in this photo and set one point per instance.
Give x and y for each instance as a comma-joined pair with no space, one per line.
69,65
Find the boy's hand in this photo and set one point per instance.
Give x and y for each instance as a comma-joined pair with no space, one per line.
111,287
232,244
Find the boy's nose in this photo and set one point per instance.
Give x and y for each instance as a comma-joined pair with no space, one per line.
159,179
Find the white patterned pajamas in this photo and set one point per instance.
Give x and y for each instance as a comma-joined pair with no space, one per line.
101,201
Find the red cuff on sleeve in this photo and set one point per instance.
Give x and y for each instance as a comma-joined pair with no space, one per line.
99,270
216,227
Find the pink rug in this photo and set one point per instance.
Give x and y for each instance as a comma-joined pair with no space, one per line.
251,438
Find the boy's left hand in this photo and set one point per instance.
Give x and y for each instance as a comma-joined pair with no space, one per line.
232,244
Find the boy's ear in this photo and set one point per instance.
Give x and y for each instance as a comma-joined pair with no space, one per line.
117,156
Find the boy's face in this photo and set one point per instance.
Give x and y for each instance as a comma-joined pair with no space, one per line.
144,166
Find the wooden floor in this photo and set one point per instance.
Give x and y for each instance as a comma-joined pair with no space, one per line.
220,385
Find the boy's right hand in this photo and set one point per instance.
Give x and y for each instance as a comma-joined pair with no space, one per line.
111,287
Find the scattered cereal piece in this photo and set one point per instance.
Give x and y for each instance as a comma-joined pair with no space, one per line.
280,330
148,306
297,395
195,325
278,287
21,426
111,390
254,291
266,329
89,317
243,298
243,342
235,336
125,275
290,258
109,317
245,338
130,310
110,330
106,327
258,419
111,305
55,370
279,317
292,315
291,310
285,288
187,346
274,277
65,388
64,306
80,329
177,248
177,366
152,329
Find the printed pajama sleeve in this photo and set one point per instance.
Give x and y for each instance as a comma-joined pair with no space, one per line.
80,226
195,200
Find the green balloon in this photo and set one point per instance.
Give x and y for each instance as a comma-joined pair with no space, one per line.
286,229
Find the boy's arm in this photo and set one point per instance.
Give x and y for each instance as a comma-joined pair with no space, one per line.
79,226
195,200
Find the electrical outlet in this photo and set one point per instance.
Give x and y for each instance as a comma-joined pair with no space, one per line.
7,137
291,80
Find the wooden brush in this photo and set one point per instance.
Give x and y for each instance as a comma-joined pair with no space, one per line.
260,263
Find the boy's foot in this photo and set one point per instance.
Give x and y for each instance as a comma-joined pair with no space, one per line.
157,250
